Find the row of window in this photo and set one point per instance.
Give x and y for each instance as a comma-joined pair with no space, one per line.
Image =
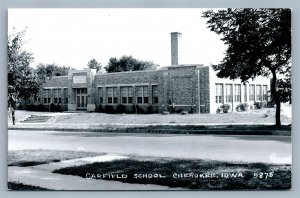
127,94
56,94
258,94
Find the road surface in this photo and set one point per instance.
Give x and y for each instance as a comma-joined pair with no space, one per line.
268,149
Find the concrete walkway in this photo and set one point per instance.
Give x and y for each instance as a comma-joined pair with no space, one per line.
42,176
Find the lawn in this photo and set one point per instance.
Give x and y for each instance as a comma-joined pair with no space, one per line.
266,115
189,174
25,158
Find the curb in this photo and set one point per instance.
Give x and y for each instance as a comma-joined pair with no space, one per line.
164,129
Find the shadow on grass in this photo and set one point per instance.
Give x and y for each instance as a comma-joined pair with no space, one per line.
23,187
189,174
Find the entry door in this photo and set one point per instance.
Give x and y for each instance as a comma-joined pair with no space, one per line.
81,99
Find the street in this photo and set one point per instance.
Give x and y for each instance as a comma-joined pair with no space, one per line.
267,149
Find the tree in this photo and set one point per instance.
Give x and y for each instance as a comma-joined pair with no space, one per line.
21,77
47,71
93,64
259,44
128,63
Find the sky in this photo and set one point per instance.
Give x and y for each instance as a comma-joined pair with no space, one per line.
72,37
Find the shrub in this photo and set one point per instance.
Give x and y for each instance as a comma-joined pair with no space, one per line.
165,113
52,107
191,110
109,109
183,112
223,108
99,108
257,105
242,107
120,108
139,109
40,107
149,109
171,109
130,109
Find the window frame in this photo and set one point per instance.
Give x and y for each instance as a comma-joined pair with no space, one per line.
219,99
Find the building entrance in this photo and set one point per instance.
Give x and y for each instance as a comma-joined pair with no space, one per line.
81,99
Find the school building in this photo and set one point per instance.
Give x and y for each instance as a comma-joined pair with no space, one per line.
193,88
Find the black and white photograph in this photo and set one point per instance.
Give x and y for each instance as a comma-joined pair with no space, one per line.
149,99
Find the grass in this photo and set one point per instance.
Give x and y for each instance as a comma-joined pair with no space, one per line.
21,186
281,178
251,116
265,115
25,158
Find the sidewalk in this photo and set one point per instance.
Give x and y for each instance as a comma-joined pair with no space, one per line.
167,128
42,176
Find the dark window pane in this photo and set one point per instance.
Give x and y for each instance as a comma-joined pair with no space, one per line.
109,100
66,100
115,100
55,100
140,99
59,100
78,101
45,100
101,100
155,99
129,100
146,100
124,100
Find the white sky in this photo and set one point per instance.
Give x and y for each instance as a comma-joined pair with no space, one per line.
72,37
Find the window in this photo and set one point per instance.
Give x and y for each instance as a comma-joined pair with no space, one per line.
46,96
251,92
245,93
142,94
265,91
228,93
100,94
219,93
155,94
237,91
66,95
115,95
146,94
57,96
258,93
112,95
126,95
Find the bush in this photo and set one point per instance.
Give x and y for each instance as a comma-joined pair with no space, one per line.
99,108
223,108
183,112
109,109
139,109
257,105
242,107
120,108
149,109
165,113
171,109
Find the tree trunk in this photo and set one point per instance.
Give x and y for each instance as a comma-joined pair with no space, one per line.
275,98
278,123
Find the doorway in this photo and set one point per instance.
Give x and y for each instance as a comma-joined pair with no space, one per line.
81,99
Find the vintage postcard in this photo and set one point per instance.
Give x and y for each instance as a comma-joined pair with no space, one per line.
149,99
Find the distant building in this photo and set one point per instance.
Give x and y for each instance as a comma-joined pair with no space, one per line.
193,88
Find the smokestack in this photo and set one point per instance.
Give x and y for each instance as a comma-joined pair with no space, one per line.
175,48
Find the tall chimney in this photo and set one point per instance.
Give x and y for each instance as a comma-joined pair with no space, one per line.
175,48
